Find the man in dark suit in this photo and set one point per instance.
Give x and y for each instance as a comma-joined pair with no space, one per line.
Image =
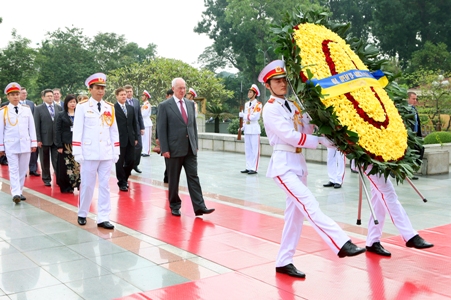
44,116
33,166
177,133
128,138
140,123
416,125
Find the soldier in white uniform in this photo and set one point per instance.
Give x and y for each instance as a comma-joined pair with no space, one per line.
251,115
288,132
17,139
335,168
95,146
146,111
191,95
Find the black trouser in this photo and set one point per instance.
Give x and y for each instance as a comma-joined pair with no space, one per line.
45,154
125,164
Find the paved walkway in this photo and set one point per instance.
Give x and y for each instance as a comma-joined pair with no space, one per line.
226,255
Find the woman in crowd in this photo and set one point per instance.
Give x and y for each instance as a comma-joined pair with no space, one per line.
68,170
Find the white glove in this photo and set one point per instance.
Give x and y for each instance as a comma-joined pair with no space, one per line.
115,158
79,158
241,114
242,129
326,142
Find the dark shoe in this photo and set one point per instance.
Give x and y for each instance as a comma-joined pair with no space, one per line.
67,192
175,212
47,183
16,199
204,211
35,173
377,248
106,225
418,242
251,172
123,188
165,180
22,197
350,249
290,270
82,221
337,186
414,178
245,171
354,171
330,184
137,170
145,155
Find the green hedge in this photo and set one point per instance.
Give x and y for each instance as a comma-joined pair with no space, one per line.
438,137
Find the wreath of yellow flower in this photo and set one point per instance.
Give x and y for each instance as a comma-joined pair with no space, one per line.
388,143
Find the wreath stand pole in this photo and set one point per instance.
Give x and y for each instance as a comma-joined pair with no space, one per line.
362,184
359,212
416,190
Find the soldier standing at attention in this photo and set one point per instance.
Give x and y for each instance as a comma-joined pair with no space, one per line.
95,147
17,139
251,115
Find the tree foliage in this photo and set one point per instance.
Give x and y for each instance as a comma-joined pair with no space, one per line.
431,57
156,76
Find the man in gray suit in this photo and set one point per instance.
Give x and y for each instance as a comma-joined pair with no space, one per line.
140,124
177,133
33,166
44,116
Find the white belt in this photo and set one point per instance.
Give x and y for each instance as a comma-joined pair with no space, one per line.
287,148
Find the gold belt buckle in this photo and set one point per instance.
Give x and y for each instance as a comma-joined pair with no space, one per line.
248,122
298,150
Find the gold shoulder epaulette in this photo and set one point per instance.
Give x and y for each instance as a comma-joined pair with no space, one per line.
109,103
83,101
271,100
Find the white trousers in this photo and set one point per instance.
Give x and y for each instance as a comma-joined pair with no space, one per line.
17,167
252,151
384,199
88,173
335,165
300,204
147,140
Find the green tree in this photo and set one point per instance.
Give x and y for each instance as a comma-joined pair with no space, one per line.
17,62
431,57
64,61
403,27
156,76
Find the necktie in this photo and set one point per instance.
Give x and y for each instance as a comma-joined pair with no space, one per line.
124,109
98,105
415,127
17,109
52,112
184,115
130,102
287,105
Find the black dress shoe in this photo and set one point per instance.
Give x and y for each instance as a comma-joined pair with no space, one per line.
290,270
175,212
123,188
204,211
377,248
16,199
81,221
350,249
47,183
245,171
330,184
165,180
22,197
418,242
35,173
337,186
137,170
106,225
251,172
145,155
414,178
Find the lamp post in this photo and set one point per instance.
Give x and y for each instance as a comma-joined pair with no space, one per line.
265,55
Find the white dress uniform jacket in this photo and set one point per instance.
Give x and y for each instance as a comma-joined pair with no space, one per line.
96,131
21,137
146,111
253,110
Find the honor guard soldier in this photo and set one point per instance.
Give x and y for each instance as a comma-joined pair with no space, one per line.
252,130
17,139
191,95
146,111
96,147
289,131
